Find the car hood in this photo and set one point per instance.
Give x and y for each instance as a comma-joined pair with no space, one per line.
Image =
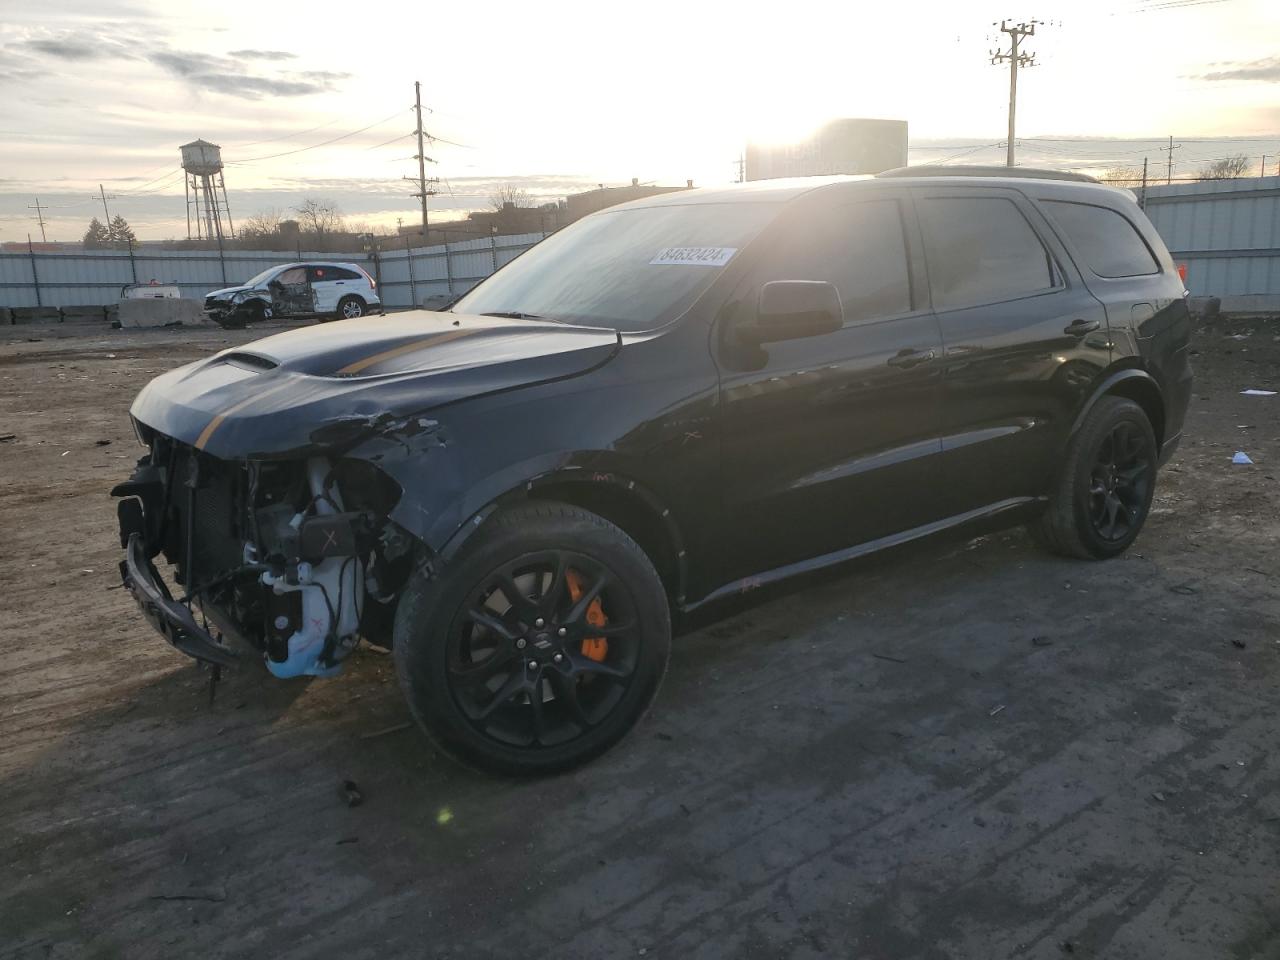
324,387
226,292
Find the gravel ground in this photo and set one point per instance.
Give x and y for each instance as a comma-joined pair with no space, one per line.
960,749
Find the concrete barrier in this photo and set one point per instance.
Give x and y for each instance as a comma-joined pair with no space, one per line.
6,316
36,315
86,313
161,313
1251,303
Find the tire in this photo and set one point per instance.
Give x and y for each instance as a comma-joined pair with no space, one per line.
1102,494
350,308
472,654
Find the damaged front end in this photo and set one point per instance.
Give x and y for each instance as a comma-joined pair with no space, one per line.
295,559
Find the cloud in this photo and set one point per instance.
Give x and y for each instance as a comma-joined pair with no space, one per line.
73,46
227,76
1266,70
17,74
247,73
263,55
68,49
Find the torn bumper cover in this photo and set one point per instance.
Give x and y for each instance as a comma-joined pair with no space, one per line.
171,619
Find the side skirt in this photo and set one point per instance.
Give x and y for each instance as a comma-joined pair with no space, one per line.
746,584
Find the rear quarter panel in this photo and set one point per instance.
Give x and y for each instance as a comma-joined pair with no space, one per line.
1148,316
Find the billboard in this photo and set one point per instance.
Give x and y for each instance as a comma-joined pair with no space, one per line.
839,146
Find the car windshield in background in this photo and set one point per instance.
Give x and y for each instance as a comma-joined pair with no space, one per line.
632,269
260,279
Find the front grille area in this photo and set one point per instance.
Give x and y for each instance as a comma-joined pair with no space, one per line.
217,523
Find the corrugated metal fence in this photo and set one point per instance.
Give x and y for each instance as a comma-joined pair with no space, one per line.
92,277
1227,232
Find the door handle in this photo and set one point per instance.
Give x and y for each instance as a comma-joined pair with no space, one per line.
1078,328
908,358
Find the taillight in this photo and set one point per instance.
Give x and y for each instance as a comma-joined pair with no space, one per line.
1182,272
372,282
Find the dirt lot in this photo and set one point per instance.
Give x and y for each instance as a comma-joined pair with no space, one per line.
964,749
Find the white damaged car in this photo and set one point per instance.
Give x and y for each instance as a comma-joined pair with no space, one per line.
323,289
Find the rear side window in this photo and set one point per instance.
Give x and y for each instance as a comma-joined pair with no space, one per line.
1108,241
858,247
342,273
982,250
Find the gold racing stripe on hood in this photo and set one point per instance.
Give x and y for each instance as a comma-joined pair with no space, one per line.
216,422
367,362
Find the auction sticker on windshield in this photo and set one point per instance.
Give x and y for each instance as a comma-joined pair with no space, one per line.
695,256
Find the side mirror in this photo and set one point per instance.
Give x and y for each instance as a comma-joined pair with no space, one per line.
791,309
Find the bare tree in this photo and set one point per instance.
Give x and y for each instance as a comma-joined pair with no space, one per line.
264,224
509,194
1123,176
319,216
1228,168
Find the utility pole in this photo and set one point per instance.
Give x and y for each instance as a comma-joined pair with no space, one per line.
1015,59
741,164
40,212
422,159
103,195
1168,177
1142,199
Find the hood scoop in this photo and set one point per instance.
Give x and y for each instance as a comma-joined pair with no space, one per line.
249,361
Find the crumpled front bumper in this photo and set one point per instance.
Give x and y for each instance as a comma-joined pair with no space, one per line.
172,620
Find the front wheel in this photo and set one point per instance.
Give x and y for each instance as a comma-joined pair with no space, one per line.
349,308
539,646
1102,495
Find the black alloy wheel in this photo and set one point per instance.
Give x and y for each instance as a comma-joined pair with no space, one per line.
526,666
1120,482
1102,493
539,645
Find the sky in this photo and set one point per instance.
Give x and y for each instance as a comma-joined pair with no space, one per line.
556,97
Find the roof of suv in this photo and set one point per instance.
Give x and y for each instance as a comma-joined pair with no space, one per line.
782,190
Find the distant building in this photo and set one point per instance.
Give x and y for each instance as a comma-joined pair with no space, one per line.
845,146
581,204
513,220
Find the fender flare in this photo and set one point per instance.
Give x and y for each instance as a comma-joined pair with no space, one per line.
1105,386
617,482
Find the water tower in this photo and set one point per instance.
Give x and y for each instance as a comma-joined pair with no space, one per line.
202,162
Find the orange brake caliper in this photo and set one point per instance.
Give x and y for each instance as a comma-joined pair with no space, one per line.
593,647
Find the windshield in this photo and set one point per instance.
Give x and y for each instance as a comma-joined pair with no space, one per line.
632,269
261,278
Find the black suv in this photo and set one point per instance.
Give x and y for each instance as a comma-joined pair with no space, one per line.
668,402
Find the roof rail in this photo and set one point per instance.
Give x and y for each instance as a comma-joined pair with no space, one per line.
974,170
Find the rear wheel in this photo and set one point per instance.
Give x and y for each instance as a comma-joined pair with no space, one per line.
349,308
1102,495
542,643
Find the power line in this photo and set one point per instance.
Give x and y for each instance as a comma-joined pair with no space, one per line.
167,174
314,146
1232,139
287,136
168,181
386,143
1173,5
964,153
